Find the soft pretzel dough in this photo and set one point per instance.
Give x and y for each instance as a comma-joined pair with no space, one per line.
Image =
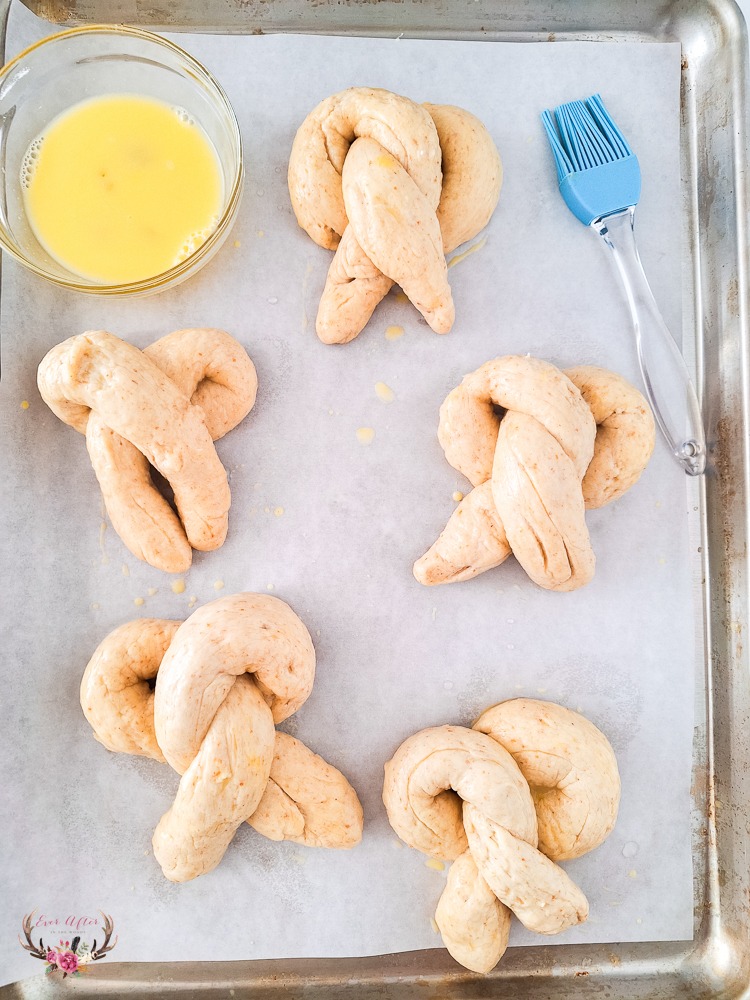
223,677
491,815
473,923
365,179
163,406
570,767
566,441
462,798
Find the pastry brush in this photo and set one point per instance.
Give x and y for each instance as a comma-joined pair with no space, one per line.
600,181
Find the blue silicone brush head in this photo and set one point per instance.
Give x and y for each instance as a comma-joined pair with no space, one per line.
597,171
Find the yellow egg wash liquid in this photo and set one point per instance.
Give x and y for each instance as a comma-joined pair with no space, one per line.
121,188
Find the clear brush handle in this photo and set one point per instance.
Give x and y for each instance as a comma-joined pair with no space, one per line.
668,387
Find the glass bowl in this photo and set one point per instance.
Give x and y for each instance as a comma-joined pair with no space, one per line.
73,66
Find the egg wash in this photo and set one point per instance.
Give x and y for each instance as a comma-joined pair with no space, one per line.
120,188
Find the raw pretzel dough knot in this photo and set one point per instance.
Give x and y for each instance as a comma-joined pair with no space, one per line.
567,441
531,784
392,186
163,406
224,678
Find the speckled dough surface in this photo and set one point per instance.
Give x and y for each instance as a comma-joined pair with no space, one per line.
392,187
530,774
222,679
561,443
164,407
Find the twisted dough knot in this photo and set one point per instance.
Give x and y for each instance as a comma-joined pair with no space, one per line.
567,441
164,406
224,677
365,179
532,783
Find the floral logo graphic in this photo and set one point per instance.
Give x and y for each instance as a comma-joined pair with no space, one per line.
68,956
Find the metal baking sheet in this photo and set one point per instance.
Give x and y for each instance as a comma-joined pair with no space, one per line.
714,321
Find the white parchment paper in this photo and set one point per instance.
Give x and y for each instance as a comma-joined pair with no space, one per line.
333,528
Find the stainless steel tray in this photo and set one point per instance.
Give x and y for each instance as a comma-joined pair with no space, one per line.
716,299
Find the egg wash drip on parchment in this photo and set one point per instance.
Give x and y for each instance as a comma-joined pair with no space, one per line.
121,188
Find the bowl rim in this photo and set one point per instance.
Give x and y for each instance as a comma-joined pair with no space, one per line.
231,202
